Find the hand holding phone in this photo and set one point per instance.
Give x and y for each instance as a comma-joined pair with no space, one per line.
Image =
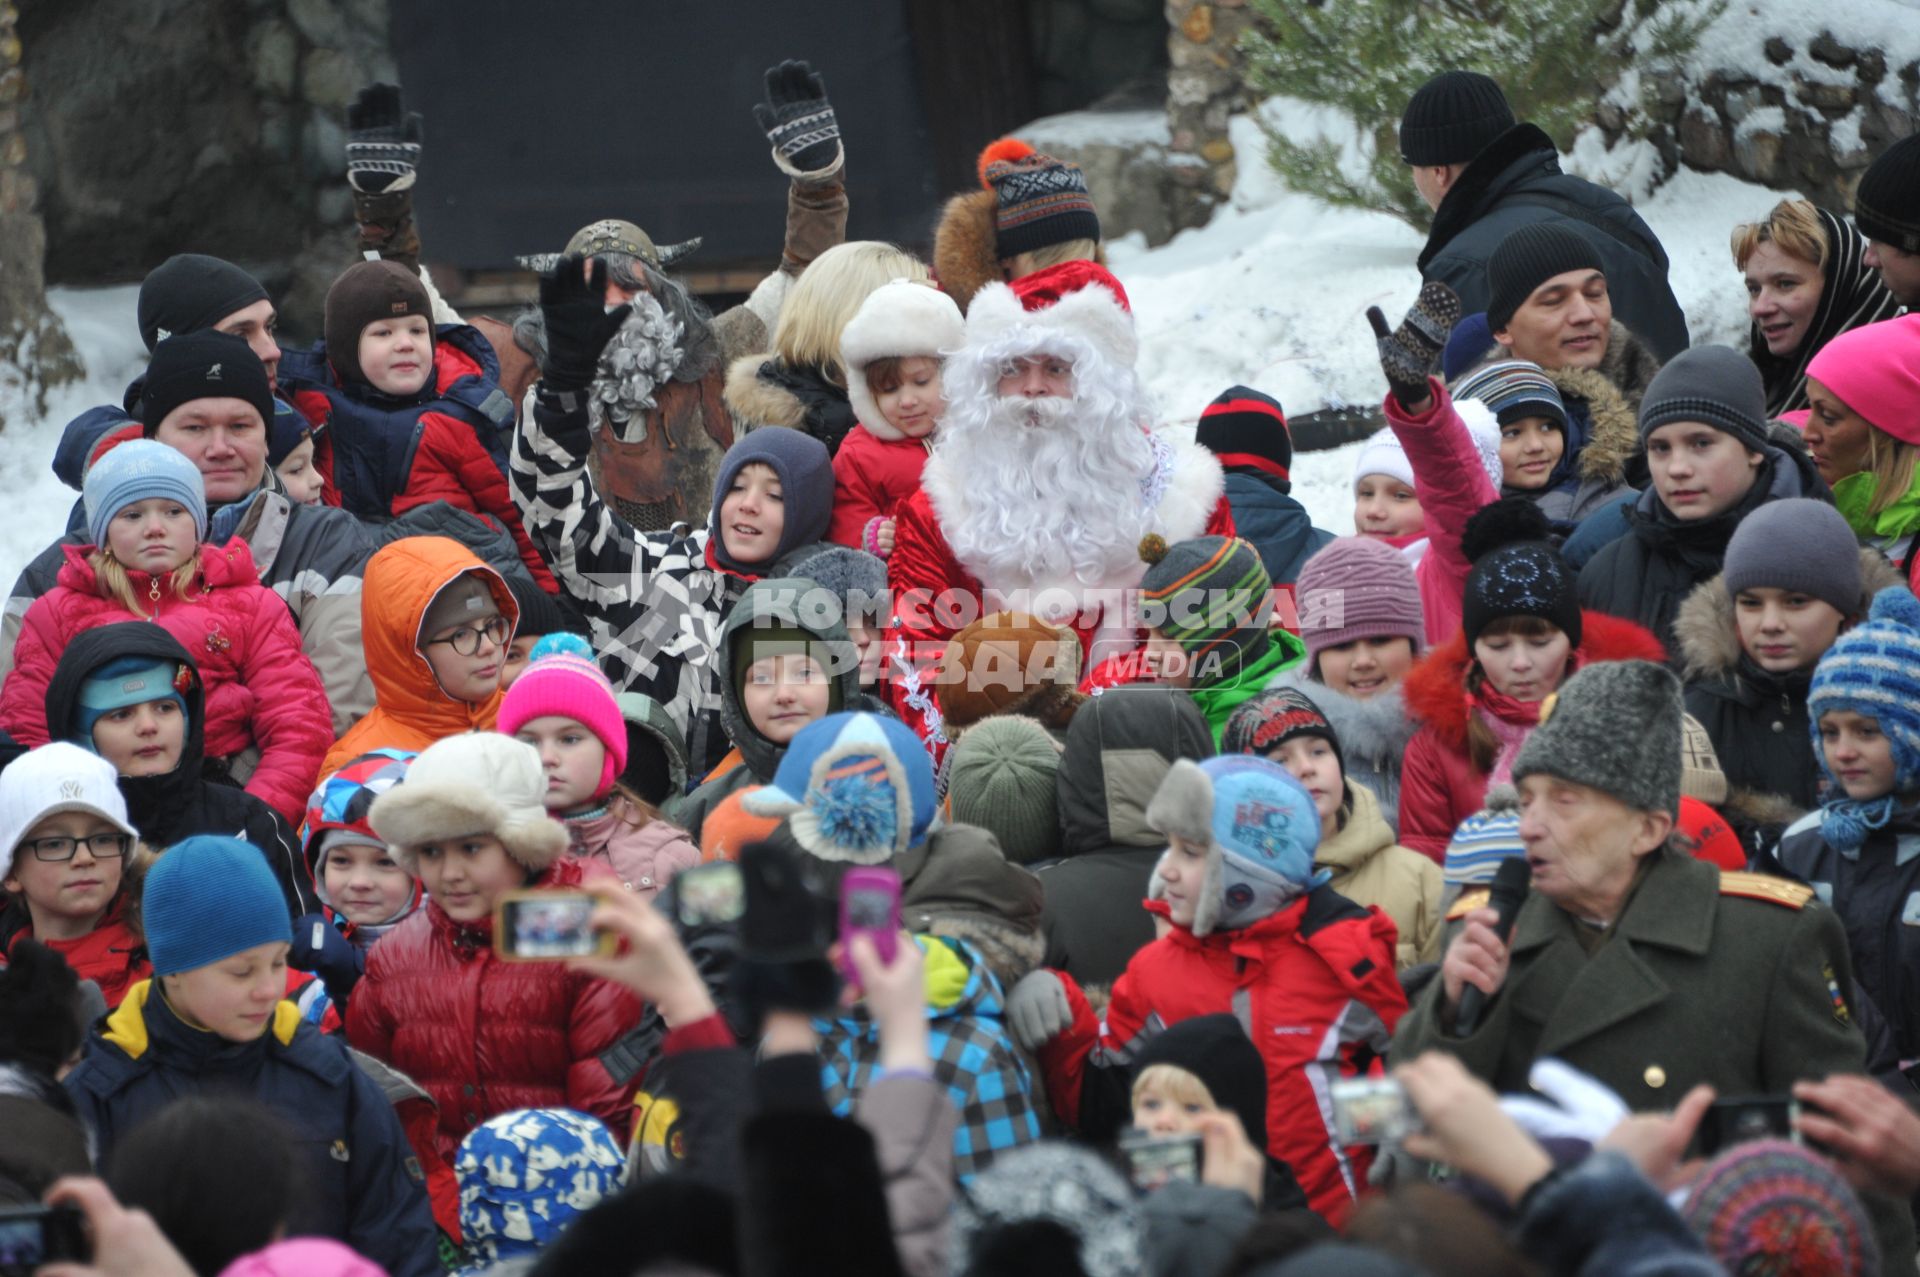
545,926
870,907
34,1236
1155,1161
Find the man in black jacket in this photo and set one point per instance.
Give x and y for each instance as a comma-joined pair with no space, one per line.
1485,176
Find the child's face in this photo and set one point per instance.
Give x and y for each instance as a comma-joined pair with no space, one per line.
1858,754
142,740
1785,630
466,657
752,514
466,876
573,757
1157,1112
1526,667
154,536
914,405
66,898
1165,661
1529,450
1183,873
784,692
1311,761
364,883
1366,667
396,355
1699,471
299,475
1385,507
871,642
235,996
518,653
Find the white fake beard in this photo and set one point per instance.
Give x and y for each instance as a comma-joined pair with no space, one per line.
643,355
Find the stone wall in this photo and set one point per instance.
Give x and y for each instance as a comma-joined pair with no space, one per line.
35,352
200,125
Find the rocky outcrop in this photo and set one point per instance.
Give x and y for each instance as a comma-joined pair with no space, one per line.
35,353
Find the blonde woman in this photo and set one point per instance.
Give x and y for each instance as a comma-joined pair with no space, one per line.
1807,283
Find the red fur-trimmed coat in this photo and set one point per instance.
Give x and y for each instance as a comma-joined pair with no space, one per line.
1439,785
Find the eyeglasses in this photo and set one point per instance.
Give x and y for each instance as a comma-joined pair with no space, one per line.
107,846
466,639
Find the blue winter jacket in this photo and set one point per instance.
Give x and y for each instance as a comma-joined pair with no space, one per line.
1277,525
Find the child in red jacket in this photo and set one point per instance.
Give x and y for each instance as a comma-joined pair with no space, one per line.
484,1037
1253,930
892,350
149,561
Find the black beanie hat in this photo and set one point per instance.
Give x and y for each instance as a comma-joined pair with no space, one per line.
1274,717
1215,1049
1452,118
365,292
1717,386
1516,571
1528,258
1247,430
190,292
1886,206
202,365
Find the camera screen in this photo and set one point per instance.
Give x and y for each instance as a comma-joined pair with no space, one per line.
554,928
1156,1162
870,910
23,1245
709,894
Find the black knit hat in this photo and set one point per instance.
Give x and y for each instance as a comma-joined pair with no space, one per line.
190,292
1247,430
1528,258
202,365
1038,201
1886,205
1715,385
1516,571
1215,1049
1274,717
1452,118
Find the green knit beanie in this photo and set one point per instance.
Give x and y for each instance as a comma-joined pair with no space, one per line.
1001,778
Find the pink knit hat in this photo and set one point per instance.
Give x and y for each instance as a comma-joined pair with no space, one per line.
563,680
304,1257
1355,588
1875,370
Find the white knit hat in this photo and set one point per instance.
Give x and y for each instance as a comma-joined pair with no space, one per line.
1382,453
56,778
897,321
474,783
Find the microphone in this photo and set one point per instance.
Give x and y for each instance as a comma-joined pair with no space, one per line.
1510,887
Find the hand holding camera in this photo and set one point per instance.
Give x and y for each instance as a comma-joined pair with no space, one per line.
650,961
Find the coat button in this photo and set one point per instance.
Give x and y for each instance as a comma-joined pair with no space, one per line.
473,1119
1655,1076
467,1089
646,882
1779,726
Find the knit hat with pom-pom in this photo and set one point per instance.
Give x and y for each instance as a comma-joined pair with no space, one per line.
1872,670
1212,596
1039,201
1516,571
1770,1206
1484,841
562,680
854,788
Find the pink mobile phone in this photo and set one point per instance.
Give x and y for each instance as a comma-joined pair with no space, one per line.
869,906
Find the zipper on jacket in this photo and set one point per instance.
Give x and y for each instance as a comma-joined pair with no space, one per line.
153,593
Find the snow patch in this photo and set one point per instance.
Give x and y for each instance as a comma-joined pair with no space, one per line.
1098,128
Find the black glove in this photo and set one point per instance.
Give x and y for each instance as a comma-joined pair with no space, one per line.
579,325
783,938
1410,353
383,142
319,947
797,117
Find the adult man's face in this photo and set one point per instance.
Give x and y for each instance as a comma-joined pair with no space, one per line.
1563,323
226,441
1433,181
256,325
1036,377
1899,271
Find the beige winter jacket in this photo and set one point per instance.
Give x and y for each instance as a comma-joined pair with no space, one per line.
1369,869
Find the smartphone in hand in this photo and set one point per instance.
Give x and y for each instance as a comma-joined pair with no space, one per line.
545,926
869,906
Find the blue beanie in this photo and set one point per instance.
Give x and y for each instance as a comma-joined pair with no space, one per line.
805,469
209,897
124,681
1873,670
136,470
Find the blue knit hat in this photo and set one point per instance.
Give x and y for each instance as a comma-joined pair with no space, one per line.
124,681
854,788
136,470
207,898
1872,670
1514,389
1485,840
805,469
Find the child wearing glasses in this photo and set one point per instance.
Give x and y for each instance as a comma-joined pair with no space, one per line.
268,721
435,624
64,845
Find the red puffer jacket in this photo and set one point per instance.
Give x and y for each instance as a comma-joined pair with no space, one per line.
260,687
484,1037
1439,785
872,475
1314,987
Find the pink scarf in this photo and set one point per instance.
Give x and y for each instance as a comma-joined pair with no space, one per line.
1510,721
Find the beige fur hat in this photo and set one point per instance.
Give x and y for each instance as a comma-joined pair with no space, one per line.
476,783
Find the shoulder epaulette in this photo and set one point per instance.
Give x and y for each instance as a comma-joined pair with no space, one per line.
1467,903
1779,891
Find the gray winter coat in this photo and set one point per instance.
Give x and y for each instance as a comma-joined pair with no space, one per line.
1373,736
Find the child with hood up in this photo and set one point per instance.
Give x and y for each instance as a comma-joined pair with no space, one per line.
436,625
1253,930
150,561
483,1036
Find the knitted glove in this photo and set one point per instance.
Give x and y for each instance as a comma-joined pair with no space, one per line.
1037,1010
1410,353
798,119
383,142
783,952
579,325
319,947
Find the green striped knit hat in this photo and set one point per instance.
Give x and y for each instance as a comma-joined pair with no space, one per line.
1212,596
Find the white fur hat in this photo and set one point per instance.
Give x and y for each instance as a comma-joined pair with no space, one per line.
898,320
474,783
999,322
1383,454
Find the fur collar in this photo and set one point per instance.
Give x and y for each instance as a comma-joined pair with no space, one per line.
1705,632
1627,369
966,255
755,401
1517,153
1436,689
1613,433
1376,730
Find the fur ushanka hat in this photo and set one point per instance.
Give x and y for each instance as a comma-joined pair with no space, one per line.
475,783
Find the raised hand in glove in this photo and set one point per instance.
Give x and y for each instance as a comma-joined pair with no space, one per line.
798,119
383,140
1410,353
1037,1009
579,325
783,962
319,947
